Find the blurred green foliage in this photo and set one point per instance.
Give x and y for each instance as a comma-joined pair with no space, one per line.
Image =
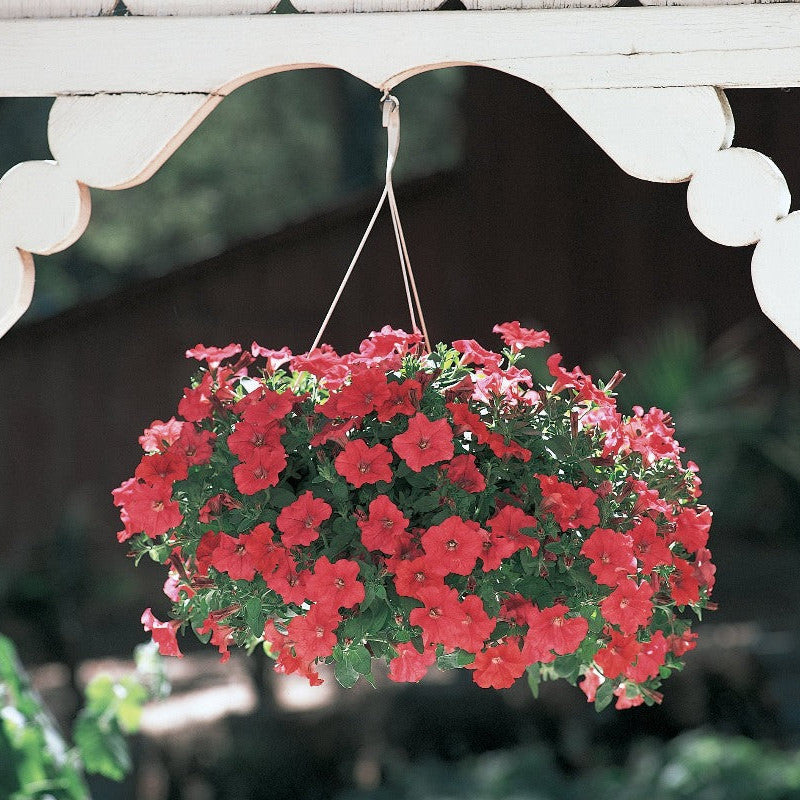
36,762
276,151
694,766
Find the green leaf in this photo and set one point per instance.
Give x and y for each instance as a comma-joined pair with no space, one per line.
254,616
345,674
360,659
534,679
103,752
458,658
280,497
604,696
425,503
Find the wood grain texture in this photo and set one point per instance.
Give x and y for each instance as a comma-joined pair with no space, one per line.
753,45
118,141
736,195
776,274
661,134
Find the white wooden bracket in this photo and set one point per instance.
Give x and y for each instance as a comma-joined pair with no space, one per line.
645,83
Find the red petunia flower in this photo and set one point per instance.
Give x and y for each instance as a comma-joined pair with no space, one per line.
215,505
477,626
681,645
221,636
571,507
269,407
591,682
195,405
299,522
611,554
249,437
683,583
648,547
265,553
629,606
402,399
651,658
366,391
441,616
287,581
385,528
617,655
202,557
275,358
160,435
231,556
508,524
150,510
213,356
334,432
163,468
413,576
164,633
410,666
313,633
517,609
335,584
195,445
454,545
473,353
424,442
463,472
517,337
359,463
498,666
627,697
691,528
260,471
550,629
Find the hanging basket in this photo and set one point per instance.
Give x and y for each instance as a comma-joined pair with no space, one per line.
423,509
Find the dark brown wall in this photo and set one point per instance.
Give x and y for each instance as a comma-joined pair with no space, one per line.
539,226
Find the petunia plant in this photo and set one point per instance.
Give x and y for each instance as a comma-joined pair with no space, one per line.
423,508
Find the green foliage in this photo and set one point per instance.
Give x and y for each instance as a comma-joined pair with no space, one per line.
694,766
36,762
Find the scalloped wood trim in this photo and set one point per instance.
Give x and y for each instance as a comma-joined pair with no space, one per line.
631,87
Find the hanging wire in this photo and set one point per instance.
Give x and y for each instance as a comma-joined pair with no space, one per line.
391,121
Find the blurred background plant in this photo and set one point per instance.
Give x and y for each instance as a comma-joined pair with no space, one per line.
36,761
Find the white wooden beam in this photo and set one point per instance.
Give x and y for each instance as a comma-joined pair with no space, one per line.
724,46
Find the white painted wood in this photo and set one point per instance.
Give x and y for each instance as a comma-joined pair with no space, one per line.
42,208
16,280
776,274
118,141
709,2
736,195
197,8
658,135
487,5
753,45
21,9
358,6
